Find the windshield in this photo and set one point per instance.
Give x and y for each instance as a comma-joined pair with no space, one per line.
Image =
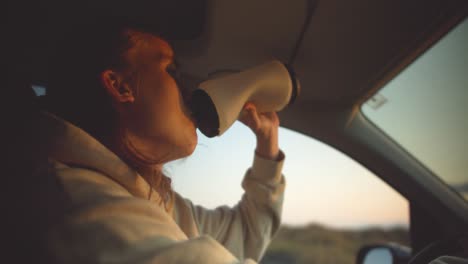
425,108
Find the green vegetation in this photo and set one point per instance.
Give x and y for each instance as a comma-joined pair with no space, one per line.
318,244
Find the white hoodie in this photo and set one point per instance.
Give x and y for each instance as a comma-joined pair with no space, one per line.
112,220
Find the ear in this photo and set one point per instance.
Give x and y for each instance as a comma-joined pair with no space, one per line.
114,85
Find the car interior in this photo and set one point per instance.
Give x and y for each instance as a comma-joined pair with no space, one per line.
343,52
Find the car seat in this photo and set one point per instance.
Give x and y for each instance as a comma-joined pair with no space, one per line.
34,199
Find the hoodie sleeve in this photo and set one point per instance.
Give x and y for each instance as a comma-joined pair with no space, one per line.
247,228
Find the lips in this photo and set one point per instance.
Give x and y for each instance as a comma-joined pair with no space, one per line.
192,118
189,115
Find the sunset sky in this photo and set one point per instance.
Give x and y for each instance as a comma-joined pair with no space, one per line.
323,184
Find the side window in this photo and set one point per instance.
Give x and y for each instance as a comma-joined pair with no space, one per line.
332,205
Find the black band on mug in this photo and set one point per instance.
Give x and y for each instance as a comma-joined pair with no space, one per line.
295,86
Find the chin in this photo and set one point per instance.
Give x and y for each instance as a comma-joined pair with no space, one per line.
193,144
189,147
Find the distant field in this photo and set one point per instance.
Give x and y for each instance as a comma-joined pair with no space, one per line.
318,244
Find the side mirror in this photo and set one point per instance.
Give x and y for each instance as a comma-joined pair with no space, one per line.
384,254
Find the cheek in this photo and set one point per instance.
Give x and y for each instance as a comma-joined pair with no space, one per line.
160,108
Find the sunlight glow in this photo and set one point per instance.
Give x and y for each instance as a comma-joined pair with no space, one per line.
323,184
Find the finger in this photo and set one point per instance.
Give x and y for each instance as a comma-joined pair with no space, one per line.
246,109
249,105
273,117
245,117
253,114
244,114
250,117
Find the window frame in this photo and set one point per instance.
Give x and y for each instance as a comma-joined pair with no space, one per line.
442,198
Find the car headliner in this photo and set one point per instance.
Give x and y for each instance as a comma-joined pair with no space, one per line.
348,46
349,49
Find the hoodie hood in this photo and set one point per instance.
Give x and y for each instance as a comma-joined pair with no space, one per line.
73,146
